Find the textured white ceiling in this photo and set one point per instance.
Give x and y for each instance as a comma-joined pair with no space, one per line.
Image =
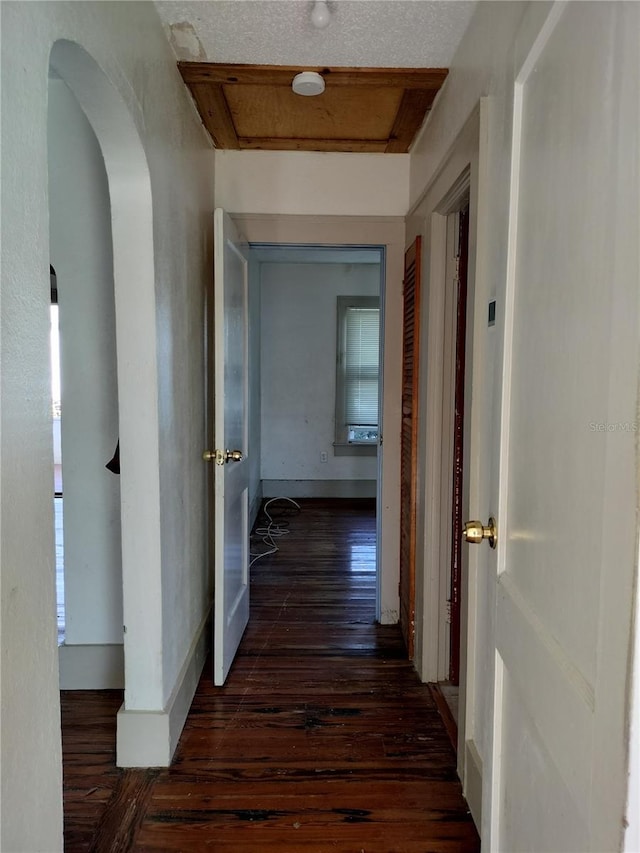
368,33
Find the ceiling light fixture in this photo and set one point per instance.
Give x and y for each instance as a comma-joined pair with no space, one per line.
308,83
320,14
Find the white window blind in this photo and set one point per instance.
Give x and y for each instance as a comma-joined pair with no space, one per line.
361,369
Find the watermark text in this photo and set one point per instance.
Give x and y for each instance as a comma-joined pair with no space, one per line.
613,426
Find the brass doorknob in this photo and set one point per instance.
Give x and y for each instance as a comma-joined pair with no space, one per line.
475,531
222,456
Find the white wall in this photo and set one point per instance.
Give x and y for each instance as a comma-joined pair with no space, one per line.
299,317
313,183
82,255
164,620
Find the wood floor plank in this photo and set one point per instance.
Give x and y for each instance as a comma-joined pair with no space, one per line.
88,752
119,822
322,739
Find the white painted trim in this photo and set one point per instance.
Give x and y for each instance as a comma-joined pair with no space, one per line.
475,394
133,261
91,667
387,231
447,414
149,738
319,488
472,786
489,828
452,182
458,176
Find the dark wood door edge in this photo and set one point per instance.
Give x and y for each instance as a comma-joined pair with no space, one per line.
445,712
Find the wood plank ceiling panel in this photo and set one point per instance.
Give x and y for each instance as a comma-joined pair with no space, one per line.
361,109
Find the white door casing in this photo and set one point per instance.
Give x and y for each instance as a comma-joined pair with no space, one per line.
231,511
463,174
566,497
363,231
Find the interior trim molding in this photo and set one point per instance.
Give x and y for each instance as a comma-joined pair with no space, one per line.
473,781
149,738
319,488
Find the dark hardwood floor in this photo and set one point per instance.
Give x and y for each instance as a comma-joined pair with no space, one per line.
323,738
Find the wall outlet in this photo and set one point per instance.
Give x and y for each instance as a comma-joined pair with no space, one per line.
324,456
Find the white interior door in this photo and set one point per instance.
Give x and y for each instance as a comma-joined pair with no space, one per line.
567,503
231,587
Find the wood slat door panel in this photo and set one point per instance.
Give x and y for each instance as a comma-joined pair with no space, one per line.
408,449
361,109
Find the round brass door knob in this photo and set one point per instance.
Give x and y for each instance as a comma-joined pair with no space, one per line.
475,531
222,456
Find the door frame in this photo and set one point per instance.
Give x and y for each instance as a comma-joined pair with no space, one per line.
456,322
463,175
388,233
116,128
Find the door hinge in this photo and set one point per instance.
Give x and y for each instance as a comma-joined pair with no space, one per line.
448,614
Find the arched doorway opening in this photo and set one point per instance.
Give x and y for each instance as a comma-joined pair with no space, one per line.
128,262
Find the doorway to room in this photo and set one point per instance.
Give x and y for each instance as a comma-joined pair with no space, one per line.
316,350
387,235
84,395
446,691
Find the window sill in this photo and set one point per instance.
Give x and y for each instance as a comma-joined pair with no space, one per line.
346,449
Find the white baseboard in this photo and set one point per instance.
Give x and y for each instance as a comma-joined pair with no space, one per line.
91,667
473,782
149,738
319,488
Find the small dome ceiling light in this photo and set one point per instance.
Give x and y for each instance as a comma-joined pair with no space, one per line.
320,14
308,83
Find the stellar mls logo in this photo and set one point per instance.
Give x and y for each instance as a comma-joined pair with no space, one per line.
618,426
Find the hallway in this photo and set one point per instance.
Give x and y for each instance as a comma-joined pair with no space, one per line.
323,739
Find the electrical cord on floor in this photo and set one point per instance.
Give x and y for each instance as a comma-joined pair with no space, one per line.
274,528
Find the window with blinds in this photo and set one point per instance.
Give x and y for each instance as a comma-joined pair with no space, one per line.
358,370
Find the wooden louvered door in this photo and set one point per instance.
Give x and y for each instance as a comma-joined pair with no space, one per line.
410,358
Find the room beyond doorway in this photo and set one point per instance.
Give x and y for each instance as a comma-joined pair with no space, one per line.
388,235
315,353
